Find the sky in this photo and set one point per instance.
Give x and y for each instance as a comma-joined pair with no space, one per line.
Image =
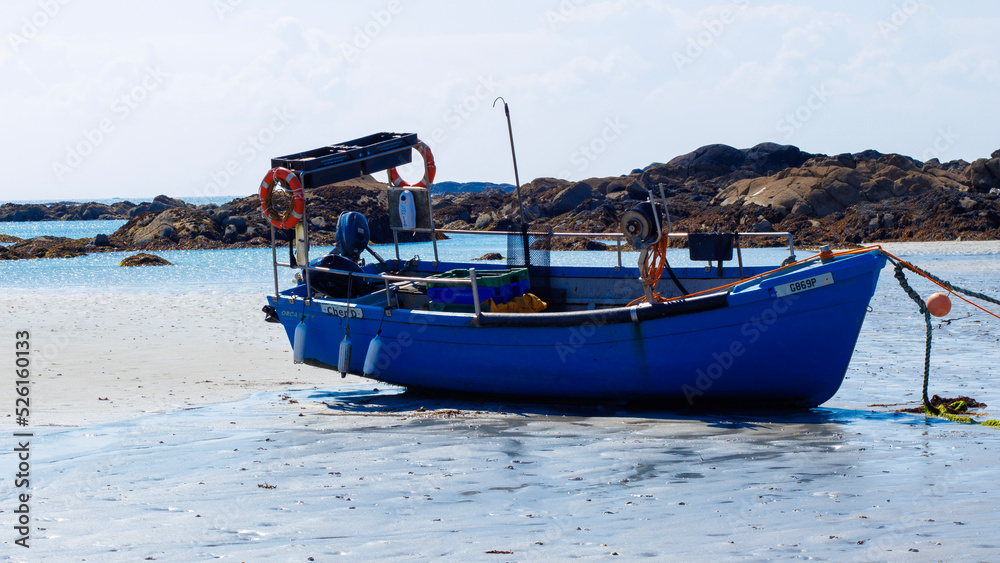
106,98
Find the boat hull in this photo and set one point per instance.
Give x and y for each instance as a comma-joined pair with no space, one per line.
754,346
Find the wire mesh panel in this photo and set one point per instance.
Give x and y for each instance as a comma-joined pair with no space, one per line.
531,250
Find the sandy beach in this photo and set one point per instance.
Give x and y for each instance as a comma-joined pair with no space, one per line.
174,426
112,357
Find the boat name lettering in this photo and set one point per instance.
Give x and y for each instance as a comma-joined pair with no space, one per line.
802,285
341,311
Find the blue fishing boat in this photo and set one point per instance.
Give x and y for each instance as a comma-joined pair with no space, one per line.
725,334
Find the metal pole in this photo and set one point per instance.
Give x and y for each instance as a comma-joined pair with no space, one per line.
475,292
274,260
517,179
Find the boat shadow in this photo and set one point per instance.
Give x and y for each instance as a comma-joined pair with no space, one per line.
401,401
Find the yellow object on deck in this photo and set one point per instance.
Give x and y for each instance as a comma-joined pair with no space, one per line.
527,303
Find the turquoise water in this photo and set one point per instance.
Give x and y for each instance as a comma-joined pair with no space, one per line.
68,229
250,270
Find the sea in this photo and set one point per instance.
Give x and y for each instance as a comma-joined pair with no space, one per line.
367,474
250,270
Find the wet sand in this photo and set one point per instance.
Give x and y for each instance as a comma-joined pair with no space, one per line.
177,428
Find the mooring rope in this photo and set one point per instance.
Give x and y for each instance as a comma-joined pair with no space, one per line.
929,409
901,278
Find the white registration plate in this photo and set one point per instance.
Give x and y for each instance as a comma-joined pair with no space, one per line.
342,311
806,284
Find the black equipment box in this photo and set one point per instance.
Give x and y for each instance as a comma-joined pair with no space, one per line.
349,160
710,247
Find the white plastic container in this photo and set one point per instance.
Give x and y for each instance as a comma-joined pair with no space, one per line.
407,210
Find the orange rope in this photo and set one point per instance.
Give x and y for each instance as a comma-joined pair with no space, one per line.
937,283
656,260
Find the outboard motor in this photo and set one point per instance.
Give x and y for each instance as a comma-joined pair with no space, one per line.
352,235
352,238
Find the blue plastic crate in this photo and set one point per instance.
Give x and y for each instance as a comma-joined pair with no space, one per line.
462,295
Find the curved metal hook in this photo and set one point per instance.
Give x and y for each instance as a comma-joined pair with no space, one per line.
499,98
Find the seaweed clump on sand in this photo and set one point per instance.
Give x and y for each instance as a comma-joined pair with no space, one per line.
955,408
143,259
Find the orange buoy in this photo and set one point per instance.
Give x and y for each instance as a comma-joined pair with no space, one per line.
939,304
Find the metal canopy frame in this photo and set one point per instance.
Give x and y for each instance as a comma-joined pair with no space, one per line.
336,163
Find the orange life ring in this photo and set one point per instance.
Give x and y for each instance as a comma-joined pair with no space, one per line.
287,179
429,169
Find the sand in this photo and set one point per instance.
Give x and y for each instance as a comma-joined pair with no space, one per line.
113,357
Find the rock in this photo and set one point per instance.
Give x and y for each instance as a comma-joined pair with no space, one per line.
156,230
240,222
100,240
230,234
484,220
48,247
768,158
618,185
846,160
159,203
979,177
709,161
92,211
490,256
993,165
967,203
763,226
869,154
220,215
899,161
143,259
319,223
888,220
29,213
572,197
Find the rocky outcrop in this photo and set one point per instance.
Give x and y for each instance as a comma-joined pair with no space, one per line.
841,199
45,247
828,185
69,211
143,259
821,199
